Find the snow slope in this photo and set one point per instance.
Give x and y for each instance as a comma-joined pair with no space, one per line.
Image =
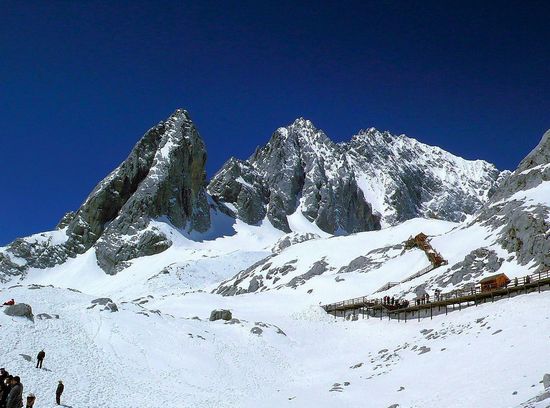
140,358
283,350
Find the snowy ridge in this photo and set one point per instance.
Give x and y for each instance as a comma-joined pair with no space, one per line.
404,178
398,178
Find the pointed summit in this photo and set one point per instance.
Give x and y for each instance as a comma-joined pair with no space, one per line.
162,178
301,171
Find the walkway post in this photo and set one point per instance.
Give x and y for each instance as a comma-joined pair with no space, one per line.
431,314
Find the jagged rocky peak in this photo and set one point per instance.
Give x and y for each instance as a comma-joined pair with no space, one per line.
403,178
300,170
398,177
163,178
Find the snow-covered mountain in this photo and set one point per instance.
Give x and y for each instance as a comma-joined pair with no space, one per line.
300,181
350,187
299,173
510,233
265,240
403,178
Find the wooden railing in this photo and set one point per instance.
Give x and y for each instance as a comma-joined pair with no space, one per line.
387,285
455,294
515,282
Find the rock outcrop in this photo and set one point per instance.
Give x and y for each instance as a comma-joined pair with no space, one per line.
520,209
300,169
404,179
220,314
163,179
337,186
19,310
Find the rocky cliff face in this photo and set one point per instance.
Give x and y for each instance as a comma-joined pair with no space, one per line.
300,169
299,174
162,178
350,186
403,178
520,209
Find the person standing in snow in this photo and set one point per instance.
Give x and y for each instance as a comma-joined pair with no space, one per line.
30,401
58,392
15,397
6,392
40,358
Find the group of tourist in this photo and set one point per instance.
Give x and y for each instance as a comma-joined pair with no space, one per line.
392,301
11,388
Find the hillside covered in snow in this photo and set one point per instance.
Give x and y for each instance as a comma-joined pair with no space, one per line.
122,291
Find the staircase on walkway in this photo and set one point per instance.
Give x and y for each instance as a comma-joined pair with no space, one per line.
436,259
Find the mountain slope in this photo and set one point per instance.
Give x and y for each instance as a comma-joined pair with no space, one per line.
404,179
351,187
281,348
508,234
163,177
300,170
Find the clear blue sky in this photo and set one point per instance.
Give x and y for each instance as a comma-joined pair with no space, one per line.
81,81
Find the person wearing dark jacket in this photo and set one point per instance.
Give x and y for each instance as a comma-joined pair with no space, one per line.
15,397
40,358
31,399
58,392
5,393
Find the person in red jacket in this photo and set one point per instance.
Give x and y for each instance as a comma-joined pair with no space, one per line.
10,302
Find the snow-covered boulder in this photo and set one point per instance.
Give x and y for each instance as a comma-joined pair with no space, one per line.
19,310
292,239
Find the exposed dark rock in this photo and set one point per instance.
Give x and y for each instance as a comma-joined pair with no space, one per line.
163,179
298,161
102,301
408,174
523,225
317,268
19,310
239,184
220,314
66,220
475,264
108,304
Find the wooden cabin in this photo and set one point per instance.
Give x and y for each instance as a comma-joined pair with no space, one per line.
494,282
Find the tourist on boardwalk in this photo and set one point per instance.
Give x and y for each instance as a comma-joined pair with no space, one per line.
40,358
427,298
30,401
15,397
527,279
516,281
58,392
392,301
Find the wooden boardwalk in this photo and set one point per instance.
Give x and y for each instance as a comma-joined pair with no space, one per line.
445,302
